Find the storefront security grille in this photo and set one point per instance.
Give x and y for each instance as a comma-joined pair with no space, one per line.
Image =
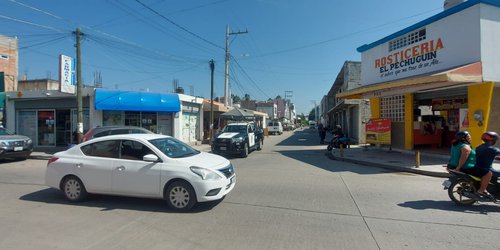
393,107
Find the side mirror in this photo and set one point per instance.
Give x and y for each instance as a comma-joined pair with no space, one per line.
150,158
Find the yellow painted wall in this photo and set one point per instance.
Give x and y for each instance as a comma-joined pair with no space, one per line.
375,107
409,121
479,98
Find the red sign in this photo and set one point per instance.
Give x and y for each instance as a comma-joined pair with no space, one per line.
378,131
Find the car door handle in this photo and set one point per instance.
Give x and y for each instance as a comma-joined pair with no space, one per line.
120,168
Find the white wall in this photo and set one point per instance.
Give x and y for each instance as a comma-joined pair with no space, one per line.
490,42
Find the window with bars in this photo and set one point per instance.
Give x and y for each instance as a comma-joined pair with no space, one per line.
407,40
393,107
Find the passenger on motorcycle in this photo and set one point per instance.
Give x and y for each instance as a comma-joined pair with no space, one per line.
463,159
486,153
337,135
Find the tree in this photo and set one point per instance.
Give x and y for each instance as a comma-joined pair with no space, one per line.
278,97
236,99
312,115
247,97
302,119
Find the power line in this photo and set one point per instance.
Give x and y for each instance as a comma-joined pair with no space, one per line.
197,7
148,21
43,43
178,26
30,23
249,78
342,36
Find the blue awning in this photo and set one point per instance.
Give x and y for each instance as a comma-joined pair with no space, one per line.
136,101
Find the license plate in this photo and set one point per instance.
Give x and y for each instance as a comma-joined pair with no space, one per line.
223,148
18,148
446,184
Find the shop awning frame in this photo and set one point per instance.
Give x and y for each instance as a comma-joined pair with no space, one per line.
136,101
464,75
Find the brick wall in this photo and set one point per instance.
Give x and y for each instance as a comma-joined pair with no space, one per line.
9,61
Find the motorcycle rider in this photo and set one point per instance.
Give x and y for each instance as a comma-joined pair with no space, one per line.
486,153
463,159
337,134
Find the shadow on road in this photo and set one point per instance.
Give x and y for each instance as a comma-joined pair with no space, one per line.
317,158
450,206
108,202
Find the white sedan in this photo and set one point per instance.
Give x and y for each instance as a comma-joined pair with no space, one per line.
141,165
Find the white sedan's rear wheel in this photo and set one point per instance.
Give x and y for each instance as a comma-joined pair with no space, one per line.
73,189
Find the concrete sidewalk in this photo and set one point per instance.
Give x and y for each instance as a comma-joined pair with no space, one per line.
430,164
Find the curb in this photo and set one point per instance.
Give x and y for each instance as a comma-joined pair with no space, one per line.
388,166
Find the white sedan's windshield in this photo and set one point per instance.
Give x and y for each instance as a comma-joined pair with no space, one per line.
174,148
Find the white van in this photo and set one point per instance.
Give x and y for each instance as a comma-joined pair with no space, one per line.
275,127
312,124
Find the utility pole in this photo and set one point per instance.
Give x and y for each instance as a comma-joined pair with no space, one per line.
211,123
79,132
226,75
289,93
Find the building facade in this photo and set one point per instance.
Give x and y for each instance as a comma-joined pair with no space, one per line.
49,117
433,79
351,114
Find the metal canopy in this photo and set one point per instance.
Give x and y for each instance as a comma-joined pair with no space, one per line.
136,101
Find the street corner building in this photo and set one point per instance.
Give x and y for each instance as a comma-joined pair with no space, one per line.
436,77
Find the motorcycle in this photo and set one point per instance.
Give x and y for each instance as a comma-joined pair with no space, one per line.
338,141
462,189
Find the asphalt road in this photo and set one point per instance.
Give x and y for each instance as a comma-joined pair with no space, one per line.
288,196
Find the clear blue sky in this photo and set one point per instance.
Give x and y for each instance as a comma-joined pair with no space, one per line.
291,45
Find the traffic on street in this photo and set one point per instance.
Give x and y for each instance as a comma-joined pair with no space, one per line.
289,195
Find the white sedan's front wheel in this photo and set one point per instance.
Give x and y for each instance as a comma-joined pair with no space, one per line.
180,196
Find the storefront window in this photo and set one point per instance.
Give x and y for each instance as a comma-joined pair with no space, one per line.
132,118
46,128
148,121
111,118
26,122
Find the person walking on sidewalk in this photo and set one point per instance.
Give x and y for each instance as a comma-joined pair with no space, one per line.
463,159
486,153
322,133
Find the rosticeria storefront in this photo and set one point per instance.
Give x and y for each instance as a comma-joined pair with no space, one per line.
436,77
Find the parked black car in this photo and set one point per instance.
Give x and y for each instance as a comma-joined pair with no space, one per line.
14,146
114,130
238,138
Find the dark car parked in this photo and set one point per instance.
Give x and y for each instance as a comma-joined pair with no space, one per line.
14,146
114,130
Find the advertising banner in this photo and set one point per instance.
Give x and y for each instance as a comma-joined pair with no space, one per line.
67,74
434,47
464,119
378,131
